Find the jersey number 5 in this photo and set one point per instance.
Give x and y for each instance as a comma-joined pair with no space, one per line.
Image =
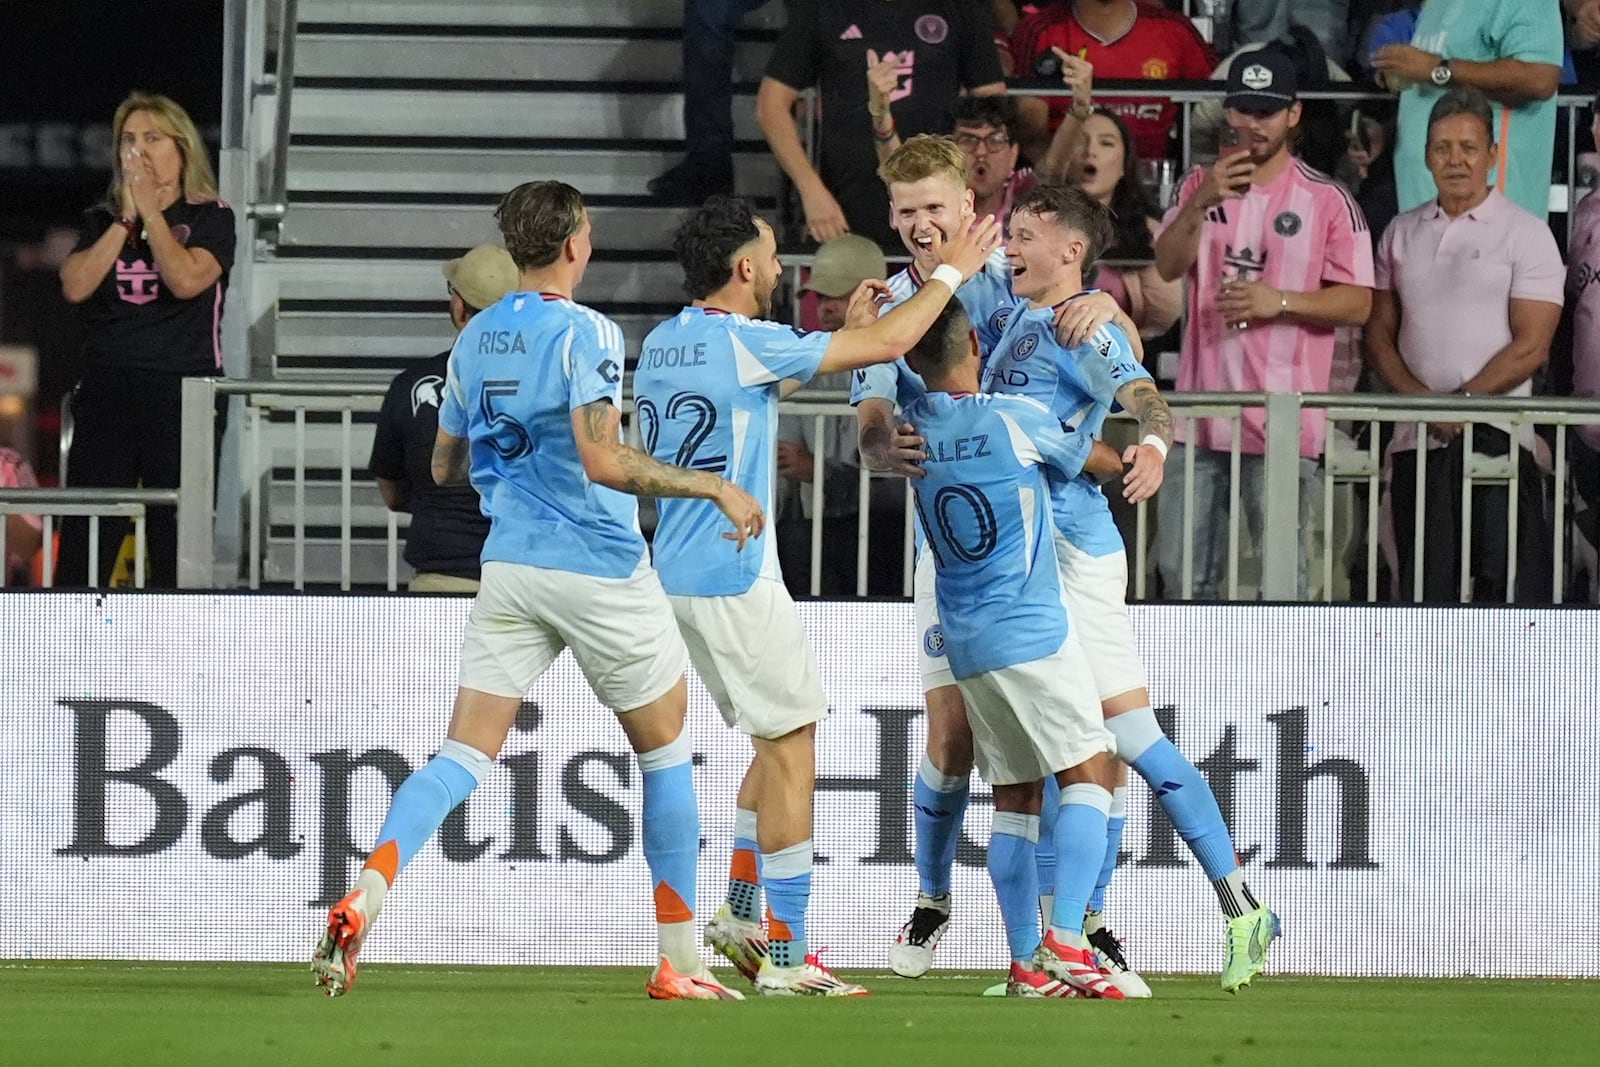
509,439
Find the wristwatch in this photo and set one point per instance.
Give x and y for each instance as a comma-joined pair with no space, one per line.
1441,74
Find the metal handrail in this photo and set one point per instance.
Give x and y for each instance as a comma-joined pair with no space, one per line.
95,504
275,206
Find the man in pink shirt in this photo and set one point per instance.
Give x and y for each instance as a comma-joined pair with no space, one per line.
1469,297
1277,258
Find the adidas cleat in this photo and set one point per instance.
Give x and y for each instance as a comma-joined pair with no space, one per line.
912,952
1248,938
810,979
1115,966
1028,982
741,942
1077,967
334,960
668,983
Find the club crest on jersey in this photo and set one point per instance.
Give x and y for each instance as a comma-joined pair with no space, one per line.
1286,224
933,641
1026,346
1156,69
1000,318
932,29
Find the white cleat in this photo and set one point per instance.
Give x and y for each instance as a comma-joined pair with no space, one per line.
911,955
741,942
810,979
1114,965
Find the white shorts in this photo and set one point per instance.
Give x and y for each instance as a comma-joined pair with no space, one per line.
621,632
753,655
930,635
1096,589
1033,719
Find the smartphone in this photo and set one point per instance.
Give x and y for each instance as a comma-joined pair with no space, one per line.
1228,145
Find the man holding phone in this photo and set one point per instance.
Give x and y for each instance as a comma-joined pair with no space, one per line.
1277,257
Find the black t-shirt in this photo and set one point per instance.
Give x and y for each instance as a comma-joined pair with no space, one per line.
134,321
448,526
945,45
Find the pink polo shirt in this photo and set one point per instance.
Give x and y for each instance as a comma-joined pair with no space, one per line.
1583,289
1454,280
1299,232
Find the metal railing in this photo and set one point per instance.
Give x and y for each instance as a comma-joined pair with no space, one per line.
95,504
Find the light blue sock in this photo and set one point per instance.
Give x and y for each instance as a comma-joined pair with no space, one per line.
1180,789
939,801
1080,848
1012,840
1045,855
1108,867
671,828
786,876
430,793
744,869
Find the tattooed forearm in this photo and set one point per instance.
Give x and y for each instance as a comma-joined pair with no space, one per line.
644,475
1144,402
452,460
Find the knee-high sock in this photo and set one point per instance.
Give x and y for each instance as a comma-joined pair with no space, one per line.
1012,839
1180,789
786,876
420,805
672,846
1108,867
744,869
1045,854
1080,848
939,801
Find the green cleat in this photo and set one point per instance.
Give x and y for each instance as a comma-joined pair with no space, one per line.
1249,937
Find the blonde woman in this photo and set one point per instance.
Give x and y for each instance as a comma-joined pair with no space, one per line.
150,270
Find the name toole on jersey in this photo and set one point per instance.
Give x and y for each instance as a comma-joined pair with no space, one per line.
518,371
706,393
984,506
1078,386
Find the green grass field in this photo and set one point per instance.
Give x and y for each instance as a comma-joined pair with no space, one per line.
126,1013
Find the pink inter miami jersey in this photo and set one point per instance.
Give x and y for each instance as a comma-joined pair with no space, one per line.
1297,233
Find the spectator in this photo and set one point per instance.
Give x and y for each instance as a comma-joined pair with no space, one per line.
1122,39
841,264
1108,170
151,270
1259,21
940,47
448,526
708,43
1512,51
1277,258
1469,296
1583,271
24,533
985,129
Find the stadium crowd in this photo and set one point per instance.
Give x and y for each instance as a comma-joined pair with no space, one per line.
1290,257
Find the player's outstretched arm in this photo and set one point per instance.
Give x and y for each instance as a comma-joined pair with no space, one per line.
892,336
597,428
1147,458
1082,317
886,445
452,459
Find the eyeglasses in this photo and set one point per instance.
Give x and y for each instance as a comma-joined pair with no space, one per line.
998,141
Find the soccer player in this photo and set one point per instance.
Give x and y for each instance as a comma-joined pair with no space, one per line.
1057,231
928,189
531,414
707,390
985,508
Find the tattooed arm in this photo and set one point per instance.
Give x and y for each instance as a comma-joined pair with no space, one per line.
1143,400
597,428
452,459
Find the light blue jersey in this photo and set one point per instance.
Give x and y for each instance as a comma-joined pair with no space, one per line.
988,300
985,508
1079,386
706,391
517,372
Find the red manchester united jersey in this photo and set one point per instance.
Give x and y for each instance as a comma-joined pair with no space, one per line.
1158,44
